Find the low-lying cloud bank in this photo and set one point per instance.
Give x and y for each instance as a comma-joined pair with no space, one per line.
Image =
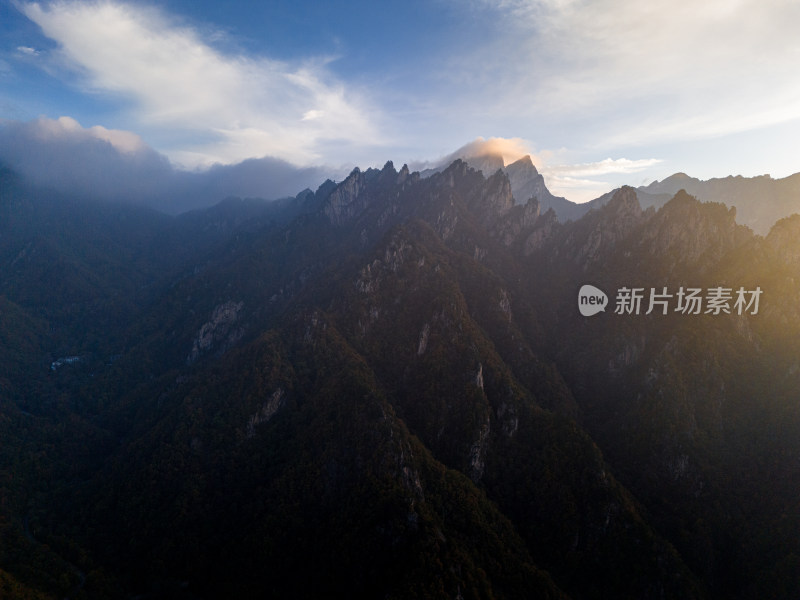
113,165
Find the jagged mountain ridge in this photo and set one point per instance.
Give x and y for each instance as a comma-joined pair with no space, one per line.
526,183
760,201
412,344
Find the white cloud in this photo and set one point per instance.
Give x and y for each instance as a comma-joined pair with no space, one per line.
558,184
510,149
585,181
114,165
99,162
245,106
313,114
28,51
695,69
603,167
576,189
67,127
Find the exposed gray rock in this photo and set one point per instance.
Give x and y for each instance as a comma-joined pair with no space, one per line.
218,334
690,230
266,412
347,201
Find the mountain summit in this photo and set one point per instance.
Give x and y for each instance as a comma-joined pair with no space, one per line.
526,181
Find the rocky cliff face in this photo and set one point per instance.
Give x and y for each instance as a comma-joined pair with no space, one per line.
602,230
689,230
347,200
494,200
544,230
783,239
220,333
527,182
518,222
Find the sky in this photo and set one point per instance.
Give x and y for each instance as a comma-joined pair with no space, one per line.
260,98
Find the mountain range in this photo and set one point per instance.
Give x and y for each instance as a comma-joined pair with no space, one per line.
385,388
759,201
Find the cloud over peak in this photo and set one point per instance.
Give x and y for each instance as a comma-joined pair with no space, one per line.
575,181
508,149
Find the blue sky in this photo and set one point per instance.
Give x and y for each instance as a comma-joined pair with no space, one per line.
599,92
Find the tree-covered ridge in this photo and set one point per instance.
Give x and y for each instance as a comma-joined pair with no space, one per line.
385,388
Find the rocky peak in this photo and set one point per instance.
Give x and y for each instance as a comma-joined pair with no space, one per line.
496,197
694,229
523,166
679,178
531,212
457,170
782,239
347,200
403,175
304,195
527,182
609,225
325,189
388,173
624,205
487,163
672,184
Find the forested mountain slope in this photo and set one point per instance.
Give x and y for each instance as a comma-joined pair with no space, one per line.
385,388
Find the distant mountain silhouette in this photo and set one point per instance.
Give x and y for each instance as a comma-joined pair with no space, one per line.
759,201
